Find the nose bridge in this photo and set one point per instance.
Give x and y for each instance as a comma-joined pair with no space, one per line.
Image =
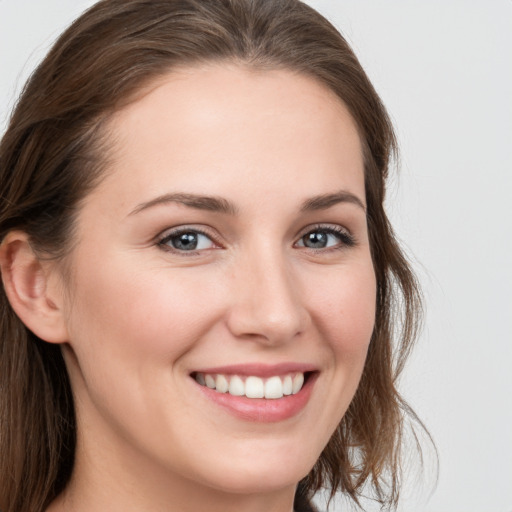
267,303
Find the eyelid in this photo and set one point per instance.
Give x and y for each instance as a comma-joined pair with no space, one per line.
346,238
166,235
336,229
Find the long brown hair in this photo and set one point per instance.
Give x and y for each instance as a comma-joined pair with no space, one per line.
53,153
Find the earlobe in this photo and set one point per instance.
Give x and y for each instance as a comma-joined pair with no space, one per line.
26,282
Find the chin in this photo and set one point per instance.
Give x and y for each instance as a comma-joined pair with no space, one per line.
257,482
263,472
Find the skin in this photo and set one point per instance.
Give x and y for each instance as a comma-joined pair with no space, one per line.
139,317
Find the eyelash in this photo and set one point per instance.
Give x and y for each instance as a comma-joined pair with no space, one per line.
346,239
163,241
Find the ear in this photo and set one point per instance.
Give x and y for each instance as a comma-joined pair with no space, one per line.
32,288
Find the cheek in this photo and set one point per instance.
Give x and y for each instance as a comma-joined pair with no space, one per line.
346,312
129,331
148,314
343,304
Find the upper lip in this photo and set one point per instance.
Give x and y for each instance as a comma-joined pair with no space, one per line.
259,370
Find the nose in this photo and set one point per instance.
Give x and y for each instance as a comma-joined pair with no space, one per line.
267,303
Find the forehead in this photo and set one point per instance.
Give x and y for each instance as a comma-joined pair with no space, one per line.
196,126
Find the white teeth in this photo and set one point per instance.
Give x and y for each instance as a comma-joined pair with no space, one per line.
287,385
253,387
210,381
221,384
298,381
274,388
236,386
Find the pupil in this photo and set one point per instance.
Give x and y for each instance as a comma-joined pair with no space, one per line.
186,241
316,240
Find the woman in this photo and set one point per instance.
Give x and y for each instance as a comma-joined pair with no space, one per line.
200,281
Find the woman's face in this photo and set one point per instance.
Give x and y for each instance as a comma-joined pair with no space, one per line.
227,246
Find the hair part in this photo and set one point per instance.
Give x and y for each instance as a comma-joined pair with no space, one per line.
55,151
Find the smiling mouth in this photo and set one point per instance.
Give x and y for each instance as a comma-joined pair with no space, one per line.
250,386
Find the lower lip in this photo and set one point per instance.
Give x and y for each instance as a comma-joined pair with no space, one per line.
261,409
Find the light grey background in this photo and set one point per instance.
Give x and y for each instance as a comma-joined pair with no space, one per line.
444,70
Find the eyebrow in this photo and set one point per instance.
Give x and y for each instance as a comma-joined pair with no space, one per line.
199,202
325,201
221,205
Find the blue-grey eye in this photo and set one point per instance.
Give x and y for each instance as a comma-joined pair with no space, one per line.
324,239
188,241
316,240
